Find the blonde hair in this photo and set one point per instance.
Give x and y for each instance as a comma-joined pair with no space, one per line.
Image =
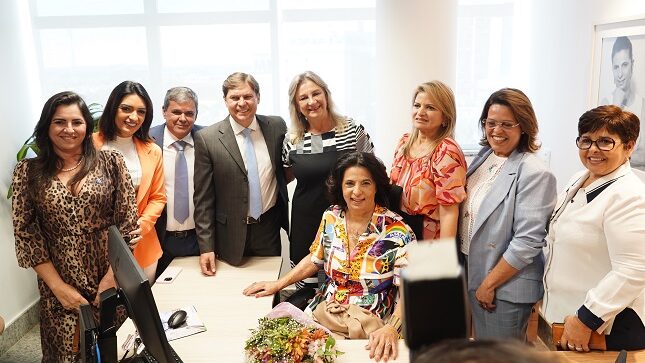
443,100
299,124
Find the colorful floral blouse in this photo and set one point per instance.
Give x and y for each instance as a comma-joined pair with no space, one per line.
430,181
366,275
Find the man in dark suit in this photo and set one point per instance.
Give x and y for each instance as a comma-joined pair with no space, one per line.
176,226
240,189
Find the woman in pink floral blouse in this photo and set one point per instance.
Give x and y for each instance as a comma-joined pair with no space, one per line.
430,166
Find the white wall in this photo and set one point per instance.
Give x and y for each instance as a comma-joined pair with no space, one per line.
20,109
416,43
561,67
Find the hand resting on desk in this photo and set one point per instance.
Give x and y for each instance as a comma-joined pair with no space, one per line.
207,262
262,288
383,344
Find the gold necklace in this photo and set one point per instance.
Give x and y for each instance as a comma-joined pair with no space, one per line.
354,234
73,167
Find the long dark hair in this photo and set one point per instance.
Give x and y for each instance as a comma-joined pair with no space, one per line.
45,166
107,125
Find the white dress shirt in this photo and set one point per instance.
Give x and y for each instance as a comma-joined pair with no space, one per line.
169,155
268,182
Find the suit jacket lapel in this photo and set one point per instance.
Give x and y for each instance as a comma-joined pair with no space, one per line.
481,157
227,138
500,189
269,138
158,136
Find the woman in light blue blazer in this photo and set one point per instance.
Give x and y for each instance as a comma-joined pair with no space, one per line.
511,195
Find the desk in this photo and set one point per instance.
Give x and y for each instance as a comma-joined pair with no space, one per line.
227,314
598,357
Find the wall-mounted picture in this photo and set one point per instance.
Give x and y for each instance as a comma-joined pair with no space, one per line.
619,73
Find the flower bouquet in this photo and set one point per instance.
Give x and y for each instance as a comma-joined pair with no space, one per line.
285,336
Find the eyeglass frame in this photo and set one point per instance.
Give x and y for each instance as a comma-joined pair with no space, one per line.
596,142
498,123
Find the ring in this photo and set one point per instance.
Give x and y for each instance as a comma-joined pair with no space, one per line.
571,346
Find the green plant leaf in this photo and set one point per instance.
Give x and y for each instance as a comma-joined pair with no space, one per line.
96,110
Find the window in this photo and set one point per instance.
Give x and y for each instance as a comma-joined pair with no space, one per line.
90,47
484,61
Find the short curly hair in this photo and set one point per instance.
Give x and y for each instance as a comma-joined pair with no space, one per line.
612,118
361,159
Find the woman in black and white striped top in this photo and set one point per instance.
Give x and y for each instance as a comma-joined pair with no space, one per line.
318,137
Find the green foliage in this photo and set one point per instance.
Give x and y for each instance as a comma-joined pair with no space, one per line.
96,110
286,340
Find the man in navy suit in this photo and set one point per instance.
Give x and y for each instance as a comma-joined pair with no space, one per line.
176,226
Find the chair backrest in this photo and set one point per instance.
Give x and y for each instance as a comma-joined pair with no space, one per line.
415,222
395,198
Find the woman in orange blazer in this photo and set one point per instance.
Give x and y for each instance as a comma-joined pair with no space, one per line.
124,127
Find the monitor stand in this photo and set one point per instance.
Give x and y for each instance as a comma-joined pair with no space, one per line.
107,341
107,328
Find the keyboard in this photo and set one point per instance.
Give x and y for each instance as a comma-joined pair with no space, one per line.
150,359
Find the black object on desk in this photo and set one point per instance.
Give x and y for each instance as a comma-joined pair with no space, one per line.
434,310
622,357
134,292
177,319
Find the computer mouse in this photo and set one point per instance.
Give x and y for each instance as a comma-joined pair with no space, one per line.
177,319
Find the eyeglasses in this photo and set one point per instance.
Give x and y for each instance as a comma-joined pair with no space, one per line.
491,124
603,143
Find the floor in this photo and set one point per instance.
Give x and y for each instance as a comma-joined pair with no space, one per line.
26,350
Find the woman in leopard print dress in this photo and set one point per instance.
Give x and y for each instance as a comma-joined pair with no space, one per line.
63,202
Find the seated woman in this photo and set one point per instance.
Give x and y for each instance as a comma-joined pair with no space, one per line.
595,253
362,246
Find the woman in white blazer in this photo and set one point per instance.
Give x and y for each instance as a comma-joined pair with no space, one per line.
511,195
595,257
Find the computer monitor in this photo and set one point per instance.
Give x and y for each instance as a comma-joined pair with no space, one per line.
134,287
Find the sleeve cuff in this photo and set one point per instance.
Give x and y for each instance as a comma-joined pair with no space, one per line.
589,319
513,260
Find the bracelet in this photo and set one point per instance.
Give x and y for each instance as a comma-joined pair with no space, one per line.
394,322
